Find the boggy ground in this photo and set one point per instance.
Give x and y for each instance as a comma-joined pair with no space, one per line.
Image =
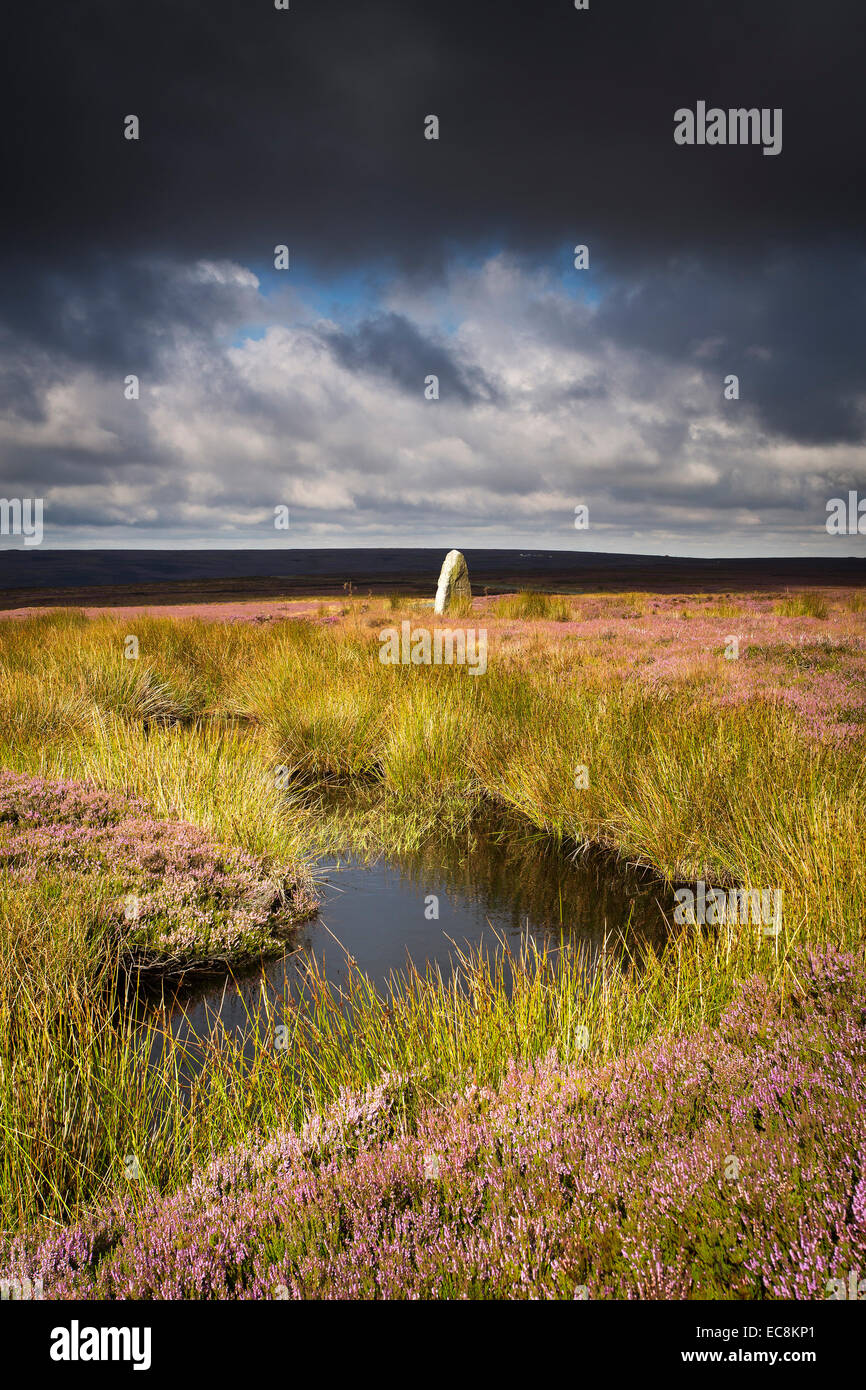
746,771
727,1163
807,650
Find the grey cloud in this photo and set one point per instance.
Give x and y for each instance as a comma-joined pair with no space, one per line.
391,345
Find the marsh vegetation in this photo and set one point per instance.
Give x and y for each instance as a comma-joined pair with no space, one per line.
239,734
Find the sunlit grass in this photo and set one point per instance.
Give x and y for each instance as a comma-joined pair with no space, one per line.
808,605
531,605
723,609
210,724
84,1087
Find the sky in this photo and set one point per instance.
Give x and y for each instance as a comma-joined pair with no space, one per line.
307,388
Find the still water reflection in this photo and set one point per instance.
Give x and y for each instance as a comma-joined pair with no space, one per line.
505,889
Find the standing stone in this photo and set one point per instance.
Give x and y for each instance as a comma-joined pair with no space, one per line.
453,582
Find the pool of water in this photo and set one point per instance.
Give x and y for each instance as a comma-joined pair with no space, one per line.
500,891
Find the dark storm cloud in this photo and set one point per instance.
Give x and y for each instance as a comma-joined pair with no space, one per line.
792,327
109,311
594,389
391,345
305,126
21,386
792,330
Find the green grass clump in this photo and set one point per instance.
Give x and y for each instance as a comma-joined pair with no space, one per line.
802,606
409,605
531,605
200,727
460,607
84,1085
724,610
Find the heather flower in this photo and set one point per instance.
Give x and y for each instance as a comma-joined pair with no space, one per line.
597,1180
178,897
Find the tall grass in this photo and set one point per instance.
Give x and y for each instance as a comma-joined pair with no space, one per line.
680,784
531,605
808,605
200,730
86,1087
218,775
723,609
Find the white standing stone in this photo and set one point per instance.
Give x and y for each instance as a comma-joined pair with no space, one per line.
453,582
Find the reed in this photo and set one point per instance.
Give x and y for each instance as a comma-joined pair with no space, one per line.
238,729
